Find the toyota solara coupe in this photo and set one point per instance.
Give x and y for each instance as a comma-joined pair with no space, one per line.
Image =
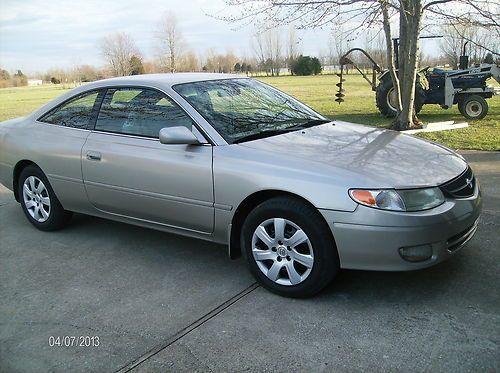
232,160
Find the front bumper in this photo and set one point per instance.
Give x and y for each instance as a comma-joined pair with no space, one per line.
370,239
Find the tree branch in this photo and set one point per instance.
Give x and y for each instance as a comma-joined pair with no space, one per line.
436,2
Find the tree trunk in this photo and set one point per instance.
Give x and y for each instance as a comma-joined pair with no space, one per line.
409,30
390,52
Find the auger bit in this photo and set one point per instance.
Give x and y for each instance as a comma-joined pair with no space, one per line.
340,93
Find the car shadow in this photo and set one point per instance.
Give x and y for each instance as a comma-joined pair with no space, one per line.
119,244
453,278
369,286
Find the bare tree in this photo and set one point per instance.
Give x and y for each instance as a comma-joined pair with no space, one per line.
332,51
337,45
293,47
479,42
451,46
188,62
57,75
339,39
267,45
411,15
274,45
375,45
171,40
220,63
118,49
152,67
85,73
257,43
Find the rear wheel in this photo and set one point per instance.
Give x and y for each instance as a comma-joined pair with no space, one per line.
38,201
386,100
473,107
289,248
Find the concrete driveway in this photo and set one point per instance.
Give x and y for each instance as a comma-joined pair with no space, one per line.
159,302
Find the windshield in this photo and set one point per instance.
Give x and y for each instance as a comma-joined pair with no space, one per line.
244,108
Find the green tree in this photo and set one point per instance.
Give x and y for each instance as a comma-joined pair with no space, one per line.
4,74
19,79
489,58
136,66
305,65
316,66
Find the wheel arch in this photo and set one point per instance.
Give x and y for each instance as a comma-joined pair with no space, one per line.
247,205
18,168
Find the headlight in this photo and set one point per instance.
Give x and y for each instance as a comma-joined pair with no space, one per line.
421,199
399,200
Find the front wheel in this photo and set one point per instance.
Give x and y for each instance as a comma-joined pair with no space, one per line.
289,248
38,201
473,107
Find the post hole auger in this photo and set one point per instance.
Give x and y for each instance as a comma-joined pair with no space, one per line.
344,60
341,91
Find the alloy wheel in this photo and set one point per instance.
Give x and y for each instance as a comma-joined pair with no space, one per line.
36,199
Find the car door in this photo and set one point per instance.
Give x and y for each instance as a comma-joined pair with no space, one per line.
61,134
128,172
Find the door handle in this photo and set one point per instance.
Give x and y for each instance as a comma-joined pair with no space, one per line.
93,156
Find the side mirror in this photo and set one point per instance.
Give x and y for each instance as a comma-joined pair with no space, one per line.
177,135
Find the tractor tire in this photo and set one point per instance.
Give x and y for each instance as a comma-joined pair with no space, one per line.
382,97
473,107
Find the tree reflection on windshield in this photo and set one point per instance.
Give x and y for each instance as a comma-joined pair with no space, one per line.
239,108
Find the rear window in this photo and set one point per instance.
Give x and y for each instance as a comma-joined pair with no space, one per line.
75,113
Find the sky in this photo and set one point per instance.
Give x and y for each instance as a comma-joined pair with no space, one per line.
36,35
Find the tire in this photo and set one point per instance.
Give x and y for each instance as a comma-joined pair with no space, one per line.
289,269
39,202
383,91
473,107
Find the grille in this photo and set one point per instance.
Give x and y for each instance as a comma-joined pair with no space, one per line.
462,186
460,239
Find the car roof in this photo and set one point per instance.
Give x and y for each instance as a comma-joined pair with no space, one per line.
161,81
168,79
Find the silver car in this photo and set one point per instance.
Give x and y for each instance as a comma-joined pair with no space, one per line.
234,161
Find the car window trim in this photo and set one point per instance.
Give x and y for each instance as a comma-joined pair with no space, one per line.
97,108
99,92
107,88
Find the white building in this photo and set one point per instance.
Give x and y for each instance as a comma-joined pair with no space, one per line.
35,82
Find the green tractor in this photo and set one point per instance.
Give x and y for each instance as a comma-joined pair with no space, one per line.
465,87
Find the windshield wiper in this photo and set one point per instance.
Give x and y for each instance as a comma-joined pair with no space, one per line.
273,132
261,135
309,123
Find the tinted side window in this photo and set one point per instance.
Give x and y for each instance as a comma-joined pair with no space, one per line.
75,113
139,111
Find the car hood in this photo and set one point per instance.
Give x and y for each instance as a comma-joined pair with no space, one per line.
380,158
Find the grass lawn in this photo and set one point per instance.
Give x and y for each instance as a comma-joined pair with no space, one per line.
318,92
359,107
16,102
